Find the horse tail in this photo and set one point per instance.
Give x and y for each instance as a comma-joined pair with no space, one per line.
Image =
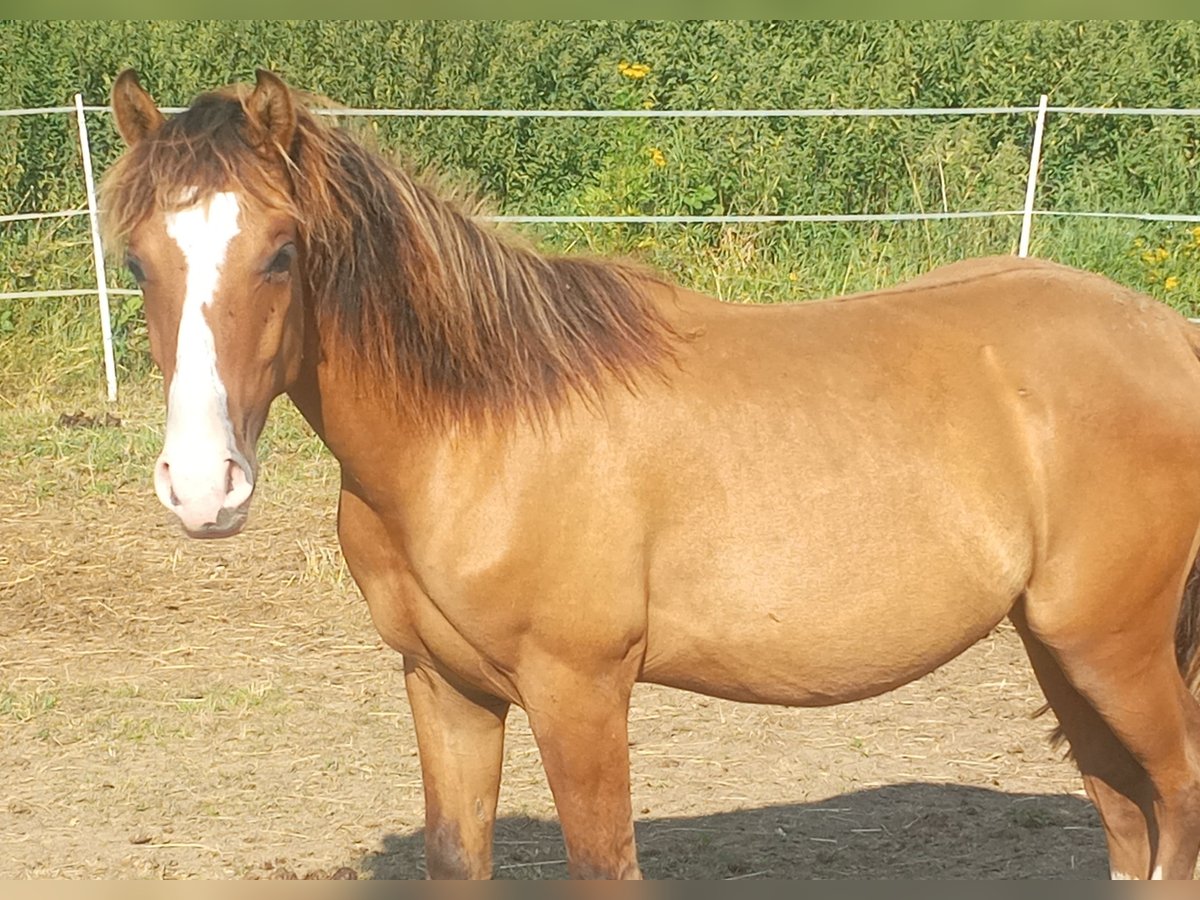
1187,629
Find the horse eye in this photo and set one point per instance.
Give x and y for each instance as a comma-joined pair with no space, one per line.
135,269
281,262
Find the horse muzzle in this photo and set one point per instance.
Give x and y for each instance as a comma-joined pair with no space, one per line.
210,498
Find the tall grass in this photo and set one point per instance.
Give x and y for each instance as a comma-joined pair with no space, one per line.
661,166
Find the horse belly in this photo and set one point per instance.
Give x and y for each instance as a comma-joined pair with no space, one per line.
797,654
840,542
839,601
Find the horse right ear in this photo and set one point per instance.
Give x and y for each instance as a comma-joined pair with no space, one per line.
137,115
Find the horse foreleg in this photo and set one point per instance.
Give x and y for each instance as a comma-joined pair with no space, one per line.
581,727
460,737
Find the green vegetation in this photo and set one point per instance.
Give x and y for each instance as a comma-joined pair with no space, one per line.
21,706
661,166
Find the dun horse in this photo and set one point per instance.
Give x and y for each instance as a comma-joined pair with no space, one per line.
562,476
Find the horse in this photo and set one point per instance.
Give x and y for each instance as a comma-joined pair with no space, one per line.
563,475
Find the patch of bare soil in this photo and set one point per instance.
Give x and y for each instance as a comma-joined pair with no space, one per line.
173,709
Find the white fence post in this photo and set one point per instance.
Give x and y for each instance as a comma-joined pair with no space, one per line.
110,366
1035,158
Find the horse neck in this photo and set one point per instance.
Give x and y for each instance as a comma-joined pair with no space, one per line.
367,432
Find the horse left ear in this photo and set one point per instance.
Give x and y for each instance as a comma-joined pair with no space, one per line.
270,112
136,114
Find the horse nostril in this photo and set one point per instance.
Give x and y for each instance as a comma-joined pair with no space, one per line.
163,479
239,484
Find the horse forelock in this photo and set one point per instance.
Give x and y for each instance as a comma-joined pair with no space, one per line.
196,154
443,314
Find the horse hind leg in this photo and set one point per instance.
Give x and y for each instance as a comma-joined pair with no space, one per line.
1115,782
1123,664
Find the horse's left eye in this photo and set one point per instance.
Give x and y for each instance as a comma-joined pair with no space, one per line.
281,262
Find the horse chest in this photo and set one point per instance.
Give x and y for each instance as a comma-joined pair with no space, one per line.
409,619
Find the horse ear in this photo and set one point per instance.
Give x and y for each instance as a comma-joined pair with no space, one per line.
270,111
137,115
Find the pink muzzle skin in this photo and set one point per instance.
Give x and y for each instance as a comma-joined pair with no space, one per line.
210,495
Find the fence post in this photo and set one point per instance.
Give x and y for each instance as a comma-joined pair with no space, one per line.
110,366
1035,158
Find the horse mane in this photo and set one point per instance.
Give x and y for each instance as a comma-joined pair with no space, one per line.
456,320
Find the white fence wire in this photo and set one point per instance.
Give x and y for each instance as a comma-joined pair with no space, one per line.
1027,214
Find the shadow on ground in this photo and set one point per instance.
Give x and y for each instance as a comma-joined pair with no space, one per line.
899,831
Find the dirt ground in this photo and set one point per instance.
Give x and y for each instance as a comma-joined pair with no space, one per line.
171,709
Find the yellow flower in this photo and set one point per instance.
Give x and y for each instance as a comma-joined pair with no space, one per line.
792,276
1171,283
636,71
1196,234
1162,253
657,157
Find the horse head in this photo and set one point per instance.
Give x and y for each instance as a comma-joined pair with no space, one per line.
201,203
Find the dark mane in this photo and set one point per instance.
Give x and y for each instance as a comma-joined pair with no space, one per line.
453,319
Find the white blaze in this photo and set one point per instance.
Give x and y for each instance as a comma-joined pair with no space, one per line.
199,440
